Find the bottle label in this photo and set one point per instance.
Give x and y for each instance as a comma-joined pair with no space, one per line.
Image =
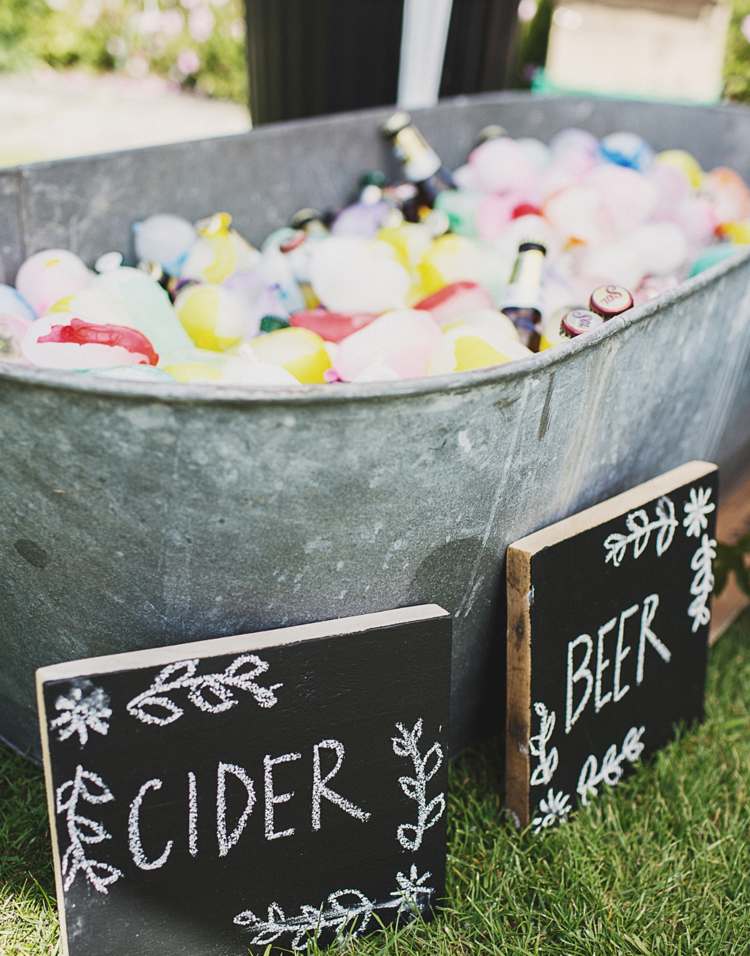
419,159
525,288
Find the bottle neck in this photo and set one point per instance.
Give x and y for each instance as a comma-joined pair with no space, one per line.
419,158
526,278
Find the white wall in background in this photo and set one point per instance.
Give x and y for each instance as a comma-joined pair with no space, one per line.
665,48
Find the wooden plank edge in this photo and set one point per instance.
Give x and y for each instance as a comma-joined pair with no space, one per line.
518,694
733,522
51,812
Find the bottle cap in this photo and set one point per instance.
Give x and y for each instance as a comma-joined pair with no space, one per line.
303,217
373,177
370,195
578,321
395,123
493,131
610,300
527,246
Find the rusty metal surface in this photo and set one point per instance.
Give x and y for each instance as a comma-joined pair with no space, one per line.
135,515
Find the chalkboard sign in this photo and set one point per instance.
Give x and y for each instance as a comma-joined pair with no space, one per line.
608,615
213,798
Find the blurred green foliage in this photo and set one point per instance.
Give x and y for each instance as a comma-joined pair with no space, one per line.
532,42
197,44
737,63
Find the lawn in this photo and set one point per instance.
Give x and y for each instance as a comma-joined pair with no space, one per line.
658,867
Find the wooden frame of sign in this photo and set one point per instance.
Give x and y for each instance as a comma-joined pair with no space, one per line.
608,614
212,798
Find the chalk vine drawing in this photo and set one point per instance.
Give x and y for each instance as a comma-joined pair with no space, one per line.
406,744
703,582
555,806
639,530
592,775
345,911
552,808
697,510
87,787
212,693
80,711
547,759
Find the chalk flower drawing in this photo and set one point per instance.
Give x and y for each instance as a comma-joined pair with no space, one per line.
344,911
639,530
697,511
81,711
703,582
87,787
553,808
406,744
592,776
548,759
212,693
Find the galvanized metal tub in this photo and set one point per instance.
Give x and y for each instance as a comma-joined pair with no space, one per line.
138,515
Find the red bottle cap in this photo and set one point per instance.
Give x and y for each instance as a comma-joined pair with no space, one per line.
578,321
610,300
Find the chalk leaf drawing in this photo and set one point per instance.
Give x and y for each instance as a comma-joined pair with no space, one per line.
344,911
86,787
697,510
406,744
553,808
703,582
592,776
212,693
547,758
80,711
639,528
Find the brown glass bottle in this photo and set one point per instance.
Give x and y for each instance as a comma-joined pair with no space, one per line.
422,165
523,298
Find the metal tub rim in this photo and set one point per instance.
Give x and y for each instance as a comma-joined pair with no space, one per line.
77,382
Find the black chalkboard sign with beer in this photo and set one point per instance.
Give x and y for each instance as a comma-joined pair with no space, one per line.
608,617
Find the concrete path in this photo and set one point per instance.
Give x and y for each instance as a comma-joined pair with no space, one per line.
46,115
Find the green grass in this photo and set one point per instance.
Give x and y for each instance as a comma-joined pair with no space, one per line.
658,867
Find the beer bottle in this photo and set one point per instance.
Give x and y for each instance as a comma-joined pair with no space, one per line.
422,165
523,298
